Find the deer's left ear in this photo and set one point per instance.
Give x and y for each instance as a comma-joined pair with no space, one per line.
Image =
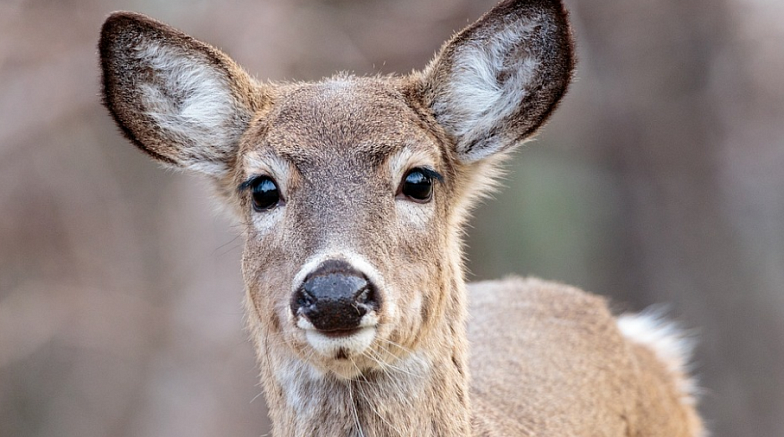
498,80
180,100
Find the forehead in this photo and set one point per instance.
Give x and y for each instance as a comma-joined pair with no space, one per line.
365,118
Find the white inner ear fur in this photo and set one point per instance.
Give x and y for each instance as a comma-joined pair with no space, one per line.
191,100
475,101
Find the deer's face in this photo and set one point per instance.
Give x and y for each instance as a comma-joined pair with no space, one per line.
351,190
345,193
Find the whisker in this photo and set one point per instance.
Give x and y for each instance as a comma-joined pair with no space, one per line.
370,402
354,405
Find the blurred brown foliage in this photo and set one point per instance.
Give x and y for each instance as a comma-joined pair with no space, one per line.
659,180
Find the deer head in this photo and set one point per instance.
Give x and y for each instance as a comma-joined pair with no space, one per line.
352,191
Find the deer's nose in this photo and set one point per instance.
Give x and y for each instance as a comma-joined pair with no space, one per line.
334,298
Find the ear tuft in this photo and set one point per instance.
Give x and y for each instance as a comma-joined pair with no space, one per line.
497,81
180,100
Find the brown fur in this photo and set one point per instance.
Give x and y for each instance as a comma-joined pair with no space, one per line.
546,359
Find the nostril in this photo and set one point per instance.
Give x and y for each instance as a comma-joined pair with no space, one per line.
304,299
365,296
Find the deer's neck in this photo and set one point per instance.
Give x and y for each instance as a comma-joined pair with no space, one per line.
424,394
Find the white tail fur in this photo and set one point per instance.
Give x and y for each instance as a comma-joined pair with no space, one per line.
672,346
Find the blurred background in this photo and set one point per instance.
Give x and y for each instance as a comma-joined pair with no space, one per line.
659,180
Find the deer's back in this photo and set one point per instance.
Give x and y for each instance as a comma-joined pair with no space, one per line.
548,359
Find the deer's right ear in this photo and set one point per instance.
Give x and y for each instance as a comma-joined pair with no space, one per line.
498,80
180,100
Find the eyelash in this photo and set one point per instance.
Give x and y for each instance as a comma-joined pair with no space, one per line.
430,172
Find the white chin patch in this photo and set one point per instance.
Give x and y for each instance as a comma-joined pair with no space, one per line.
343,347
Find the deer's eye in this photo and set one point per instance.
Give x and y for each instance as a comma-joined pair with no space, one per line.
417,185
265,193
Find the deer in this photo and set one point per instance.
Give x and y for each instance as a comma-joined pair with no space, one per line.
353,193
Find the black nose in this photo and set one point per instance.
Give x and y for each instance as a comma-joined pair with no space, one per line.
334,297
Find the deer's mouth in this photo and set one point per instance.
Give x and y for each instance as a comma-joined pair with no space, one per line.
338,333
341,353
340,343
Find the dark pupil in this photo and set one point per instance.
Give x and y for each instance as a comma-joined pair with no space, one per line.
265,193
418,185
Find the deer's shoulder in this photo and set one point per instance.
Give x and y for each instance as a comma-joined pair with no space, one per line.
539,350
